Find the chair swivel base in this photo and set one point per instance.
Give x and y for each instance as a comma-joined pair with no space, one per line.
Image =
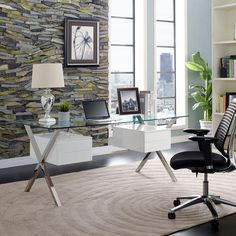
209,200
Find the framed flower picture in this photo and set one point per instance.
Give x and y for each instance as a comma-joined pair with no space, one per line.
81,42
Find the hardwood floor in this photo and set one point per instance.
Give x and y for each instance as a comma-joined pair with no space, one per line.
227,224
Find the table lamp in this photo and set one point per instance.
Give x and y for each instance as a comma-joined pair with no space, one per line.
48,75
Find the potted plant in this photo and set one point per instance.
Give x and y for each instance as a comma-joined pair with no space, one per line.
64,114
202,94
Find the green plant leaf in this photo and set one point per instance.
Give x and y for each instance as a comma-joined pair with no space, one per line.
209,91
195,106
194,66
198,96
197,87
64,106
202,95
198,60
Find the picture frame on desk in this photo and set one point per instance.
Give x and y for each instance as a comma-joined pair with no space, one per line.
81,42
128,101
230,97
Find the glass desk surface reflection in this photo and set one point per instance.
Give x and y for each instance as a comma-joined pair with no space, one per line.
122,119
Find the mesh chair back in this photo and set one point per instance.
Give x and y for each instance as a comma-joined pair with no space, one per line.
224,127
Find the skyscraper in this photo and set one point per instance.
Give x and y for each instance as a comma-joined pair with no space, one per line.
166,67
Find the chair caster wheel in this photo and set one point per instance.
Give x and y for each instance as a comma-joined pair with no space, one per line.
176,202
215,224
171,215
217,203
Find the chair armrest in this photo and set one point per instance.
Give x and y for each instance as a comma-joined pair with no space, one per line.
203,139
204,144
198,132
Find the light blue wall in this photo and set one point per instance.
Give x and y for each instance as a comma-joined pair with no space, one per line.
198,39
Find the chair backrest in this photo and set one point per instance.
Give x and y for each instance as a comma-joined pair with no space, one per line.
227,123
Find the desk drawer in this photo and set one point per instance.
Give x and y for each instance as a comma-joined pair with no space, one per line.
69,148
142,138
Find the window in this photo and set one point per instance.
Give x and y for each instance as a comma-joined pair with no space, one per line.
170,56
165,55
136,27
122,54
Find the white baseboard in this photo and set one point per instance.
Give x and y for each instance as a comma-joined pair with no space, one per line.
18,161
104,150
180,139
97,151
27,160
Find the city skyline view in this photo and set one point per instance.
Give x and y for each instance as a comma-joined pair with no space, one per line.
165,85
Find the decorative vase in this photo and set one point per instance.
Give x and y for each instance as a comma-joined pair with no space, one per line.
206,125
63,118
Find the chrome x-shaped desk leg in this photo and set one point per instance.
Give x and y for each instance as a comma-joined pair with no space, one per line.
160,155
41,163
164,162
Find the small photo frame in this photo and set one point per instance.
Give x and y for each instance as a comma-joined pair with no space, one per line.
230,97
128,101
81,42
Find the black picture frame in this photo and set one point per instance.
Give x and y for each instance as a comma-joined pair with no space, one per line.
128,101
81,42
230,96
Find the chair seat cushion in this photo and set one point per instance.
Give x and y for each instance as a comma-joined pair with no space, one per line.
194,160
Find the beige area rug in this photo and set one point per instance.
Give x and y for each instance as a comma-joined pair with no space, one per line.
109,201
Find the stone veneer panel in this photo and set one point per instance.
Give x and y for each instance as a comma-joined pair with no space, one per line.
32,31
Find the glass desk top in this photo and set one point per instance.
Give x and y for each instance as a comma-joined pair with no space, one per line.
80,122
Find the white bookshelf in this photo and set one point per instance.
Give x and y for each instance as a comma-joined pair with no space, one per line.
223,44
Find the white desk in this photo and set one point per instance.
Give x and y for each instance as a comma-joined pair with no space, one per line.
144,136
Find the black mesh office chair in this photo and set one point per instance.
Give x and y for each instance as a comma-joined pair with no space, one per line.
205,161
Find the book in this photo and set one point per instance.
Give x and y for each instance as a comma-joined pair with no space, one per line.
145,100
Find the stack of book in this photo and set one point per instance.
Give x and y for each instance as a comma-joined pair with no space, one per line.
228,67
146,102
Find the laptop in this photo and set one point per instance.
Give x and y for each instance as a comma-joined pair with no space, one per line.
97,111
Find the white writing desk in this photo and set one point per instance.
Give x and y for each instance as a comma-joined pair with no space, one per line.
74,123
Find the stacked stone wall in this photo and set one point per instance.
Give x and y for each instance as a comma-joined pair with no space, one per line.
32,31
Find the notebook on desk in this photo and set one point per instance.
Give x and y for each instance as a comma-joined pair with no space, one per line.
97,111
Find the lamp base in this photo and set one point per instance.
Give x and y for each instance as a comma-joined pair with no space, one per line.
48,121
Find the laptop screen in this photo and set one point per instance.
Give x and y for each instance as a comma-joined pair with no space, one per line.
96,109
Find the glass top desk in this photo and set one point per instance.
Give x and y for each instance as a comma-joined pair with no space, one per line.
170,119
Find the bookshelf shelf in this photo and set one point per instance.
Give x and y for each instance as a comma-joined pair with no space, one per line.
225,79
225,6
218,113
225,42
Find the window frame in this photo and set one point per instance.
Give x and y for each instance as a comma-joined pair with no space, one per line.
156,46
124,45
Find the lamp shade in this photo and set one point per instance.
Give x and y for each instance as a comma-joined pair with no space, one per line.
48,75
